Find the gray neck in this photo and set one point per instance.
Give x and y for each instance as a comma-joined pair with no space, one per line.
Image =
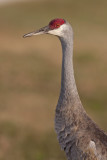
68,91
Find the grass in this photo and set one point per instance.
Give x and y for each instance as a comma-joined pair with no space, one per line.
30,74
23,143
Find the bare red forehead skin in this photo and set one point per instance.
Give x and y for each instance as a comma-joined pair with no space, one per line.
56,23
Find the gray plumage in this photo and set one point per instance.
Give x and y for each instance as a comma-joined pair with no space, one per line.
78,135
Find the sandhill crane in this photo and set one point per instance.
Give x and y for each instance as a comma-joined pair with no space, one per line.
78,135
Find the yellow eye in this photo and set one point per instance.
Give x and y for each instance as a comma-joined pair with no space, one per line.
57,25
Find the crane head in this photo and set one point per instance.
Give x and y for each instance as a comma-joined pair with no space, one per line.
55,27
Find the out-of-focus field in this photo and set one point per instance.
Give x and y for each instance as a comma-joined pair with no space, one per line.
30,73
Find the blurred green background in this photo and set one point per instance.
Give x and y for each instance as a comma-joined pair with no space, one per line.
30,73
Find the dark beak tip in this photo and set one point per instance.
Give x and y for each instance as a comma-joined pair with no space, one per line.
24,36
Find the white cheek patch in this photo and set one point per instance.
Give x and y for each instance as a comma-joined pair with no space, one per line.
58,31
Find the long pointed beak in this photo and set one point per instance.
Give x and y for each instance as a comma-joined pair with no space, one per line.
38,32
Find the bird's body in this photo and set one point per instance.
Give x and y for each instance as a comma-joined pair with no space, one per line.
78,135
